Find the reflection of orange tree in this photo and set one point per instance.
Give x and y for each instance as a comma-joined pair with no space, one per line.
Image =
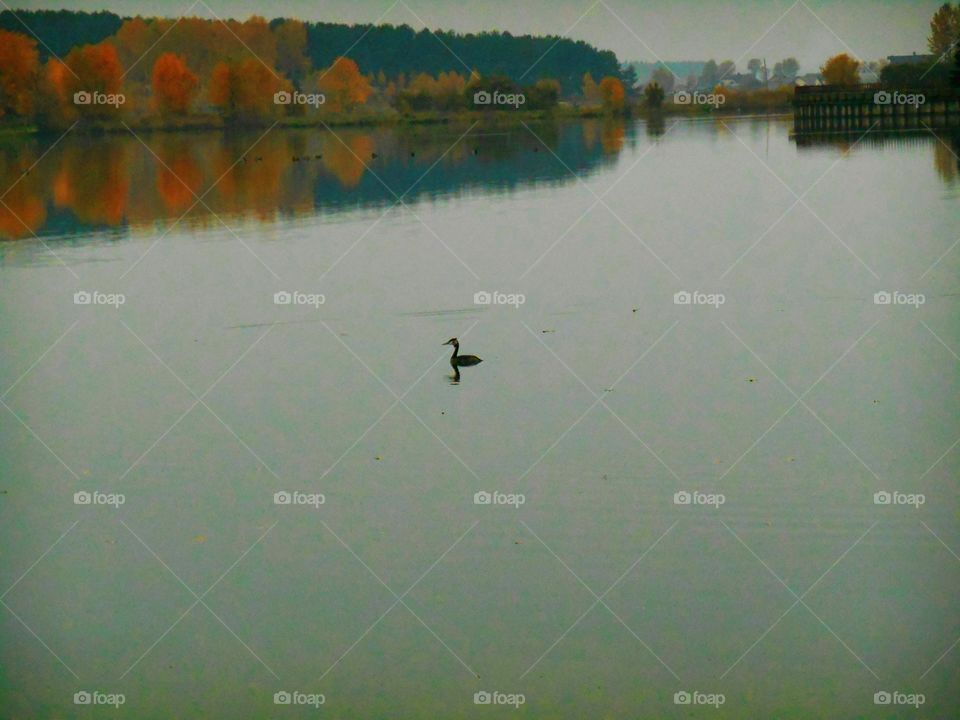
611,137
346,163
945,161
179,177
246,186
22,213
590,130
93,182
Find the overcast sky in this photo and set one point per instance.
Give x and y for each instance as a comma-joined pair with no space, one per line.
810,30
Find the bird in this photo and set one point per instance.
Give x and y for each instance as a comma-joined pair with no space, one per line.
374,156
461,360
317,157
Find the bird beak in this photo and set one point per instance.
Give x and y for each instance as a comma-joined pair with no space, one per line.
447,342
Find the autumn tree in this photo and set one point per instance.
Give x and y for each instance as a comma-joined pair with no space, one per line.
653,95
944,29
611,90
292,60
841,70
343,85
664,78
174,86
543,94
244,90
93,69
589,88
19,70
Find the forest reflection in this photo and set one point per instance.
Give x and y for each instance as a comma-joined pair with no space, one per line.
89,183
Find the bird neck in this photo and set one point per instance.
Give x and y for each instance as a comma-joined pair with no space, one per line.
456,349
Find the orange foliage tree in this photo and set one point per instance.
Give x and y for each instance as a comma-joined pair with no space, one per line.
245,90
93,69
19,69
841,70
174,86
343,85
611,90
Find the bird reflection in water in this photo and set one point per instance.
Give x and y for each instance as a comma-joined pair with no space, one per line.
458,361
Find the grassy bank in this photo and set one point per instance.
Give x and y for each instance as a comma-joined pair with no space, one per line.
200,122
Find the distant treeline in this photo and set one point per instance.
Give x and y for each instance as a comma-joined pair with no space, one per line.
389,49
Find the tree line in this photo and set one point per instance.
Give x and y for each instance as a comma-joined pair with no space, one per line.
254,70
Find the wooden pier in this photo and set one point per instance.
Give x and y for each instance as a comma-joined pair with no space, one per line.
829,108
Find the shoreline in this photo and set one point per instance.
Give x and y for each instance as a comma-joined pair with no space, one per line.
484,118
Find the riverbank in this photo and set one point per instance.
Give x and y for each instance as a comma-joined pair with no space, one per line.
390,119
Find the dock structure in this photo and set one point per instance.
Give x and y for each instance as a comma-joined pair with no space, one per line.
827,108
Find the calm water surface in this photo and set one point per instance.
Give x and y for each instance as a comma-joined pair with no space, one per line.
598,400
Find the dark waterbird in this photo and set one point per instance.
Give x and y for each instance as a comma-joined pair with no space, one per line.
461,360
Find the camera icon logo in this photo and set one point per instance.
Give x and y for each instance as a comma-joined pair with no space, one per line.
482,698
282,498
882,97
82,298
682,298
482,97
882,698
882,298
482,497
282,698
82,698
682,97
282,298
82,497
682,498
282,97
882,498
82,97
681,697
482,298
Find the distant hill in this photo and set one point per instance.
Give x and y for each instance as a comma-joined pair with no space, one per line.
681,68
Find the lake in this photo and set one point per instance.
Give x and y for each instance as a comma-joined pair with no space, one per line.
706,468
